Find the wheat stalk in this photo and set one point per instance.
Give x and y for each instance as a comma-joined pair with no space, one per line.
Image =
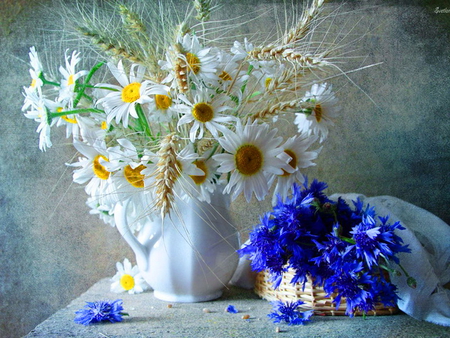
166,174
285,50
180,68
303,26
279,107
203,8
110,45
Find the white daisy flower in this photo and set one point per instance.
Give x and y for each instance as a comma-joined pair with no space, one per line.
104,212
201,186
121,102
70,76
297,148
265,72
128,279
320,110
92,168
231,76
162,107
201,62
241,50
205,113
69,121
39,112
36,69
253,153
128,182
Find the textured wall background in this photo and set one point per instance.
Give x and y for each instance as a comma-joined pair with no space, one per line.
52,250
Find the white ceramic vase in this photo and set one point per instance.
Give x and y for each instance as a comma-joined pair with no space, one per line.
191,255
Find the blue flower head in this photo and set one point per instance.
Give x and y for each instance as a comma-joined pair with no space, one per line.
231,309
288,313
95,312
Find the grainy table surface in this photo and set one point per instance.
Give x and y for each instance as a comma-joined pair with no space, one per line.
150,317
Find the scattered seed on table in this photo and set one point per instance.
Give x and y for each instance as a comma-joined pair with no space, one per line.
245,316
205,310
169,306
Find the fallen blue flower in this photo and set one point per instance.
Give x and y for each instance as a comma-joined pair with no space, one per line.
231,309
288,313
94,312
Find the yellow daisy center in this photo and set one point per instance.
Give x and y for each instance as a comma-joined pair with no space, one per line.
70,80
203,112
163,101
292,163
68,119
99,170
199,179
127,282
134,176
318,112
65,117
33,83
104,125
225,76
248,159
267,82
193,62
131,92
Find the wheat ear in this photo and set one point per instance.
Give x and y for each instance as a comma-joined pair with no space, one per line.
279,107
166,174
285,50
203,8
303,25
109,45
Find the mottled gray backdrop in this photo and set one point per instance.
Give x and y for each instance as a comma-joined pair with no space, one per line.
52,250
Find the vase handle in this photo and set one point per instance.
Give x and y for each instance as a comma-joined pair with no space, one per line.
121,220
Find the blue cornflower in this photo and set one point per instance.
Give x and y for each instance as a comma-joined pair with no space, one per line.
353,284
288,312
366,236
231,309
94,312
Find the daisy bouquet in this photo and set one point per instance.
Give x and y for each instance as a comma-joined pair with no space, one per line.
176,115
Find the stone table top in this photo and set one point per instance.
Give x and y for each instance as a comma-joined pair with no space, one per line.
151,317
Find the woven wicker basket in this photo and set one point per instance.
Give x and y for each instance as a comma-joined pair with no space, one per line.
314,297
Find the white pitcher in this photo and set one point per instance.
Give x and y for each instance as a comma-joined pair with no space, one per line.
191,255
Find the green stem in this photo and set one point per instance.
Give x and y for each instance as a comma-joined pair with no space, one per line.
76,111
46,82
143,121
348,240
86,81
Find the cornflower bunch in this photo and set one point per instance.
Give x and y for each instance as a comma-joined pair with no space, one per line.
340,248
178,116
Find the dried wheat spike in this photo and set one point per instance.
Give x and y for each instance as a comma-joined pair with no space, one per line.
203,8
131,21
303,25
166,173
277,108
181,69
108,45
288,54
